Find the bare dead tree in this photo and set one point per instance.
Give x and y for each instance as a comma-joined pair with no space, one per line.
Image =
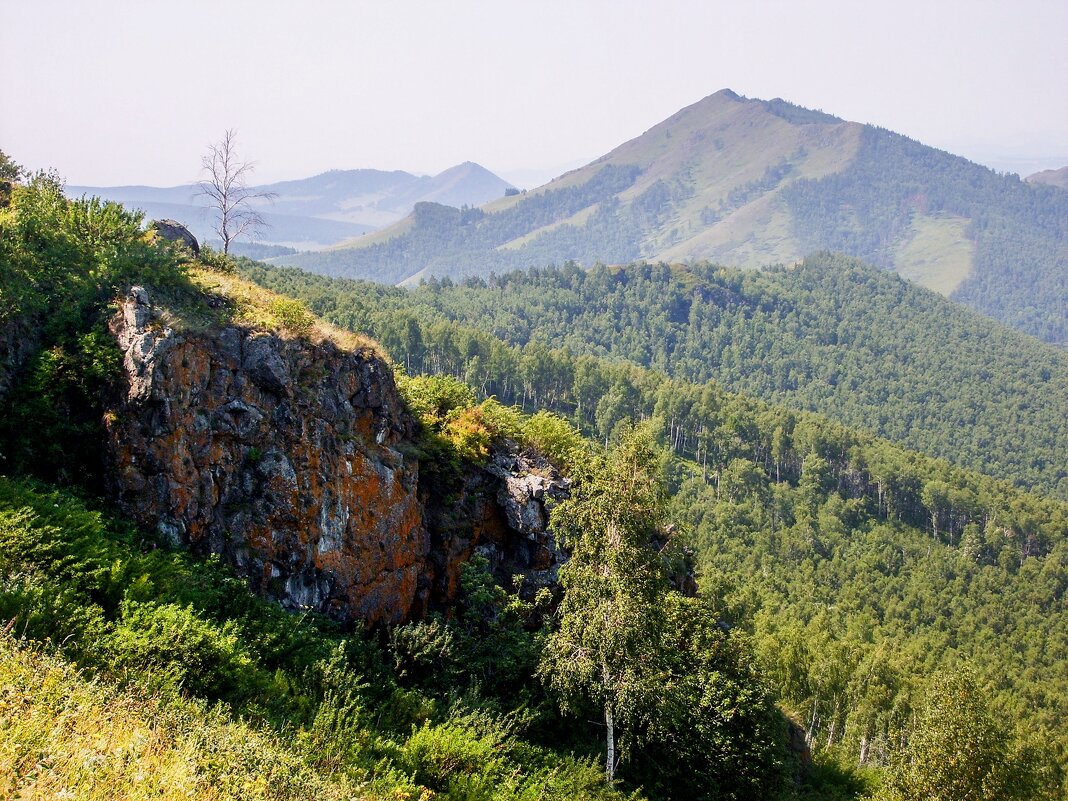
226,187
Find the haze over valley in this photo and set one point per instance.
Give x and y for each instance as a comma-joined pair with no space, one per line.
319,211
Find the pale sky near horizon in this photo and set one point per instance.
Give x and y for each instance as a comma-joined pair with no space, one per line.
115,92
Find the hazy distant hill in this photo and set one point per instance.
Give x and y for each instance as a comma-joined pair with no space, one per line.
290,229
749,182
375,198
1058,178
324,209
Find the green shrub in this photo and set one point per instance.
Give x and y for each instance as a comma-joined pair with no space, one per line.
291,315
469,435
432,398
64,262
217,260
51,611
503,422
556,438
194,654
65,259
423,651
462,757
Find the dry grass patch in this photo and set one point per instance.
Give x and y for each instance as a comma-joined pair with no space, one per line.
62,736
242,302
938,254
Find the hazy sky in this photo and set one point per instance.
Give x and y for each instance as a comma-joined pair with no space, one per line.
111,92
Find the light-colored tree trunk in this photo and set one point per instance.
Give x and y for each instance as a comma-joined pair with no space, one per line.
811,733
834,724
610,737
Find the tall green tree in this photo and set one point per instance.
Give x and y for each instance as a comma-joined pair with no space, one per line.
606,650
960,752
9,170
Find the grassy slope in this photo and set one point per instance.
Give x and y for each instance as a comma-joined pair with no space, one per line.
937,254
198,689
715,148
1058,178
64,736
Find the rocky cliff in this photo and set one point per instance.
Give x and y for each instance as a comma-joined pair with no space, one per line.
18,340
288,459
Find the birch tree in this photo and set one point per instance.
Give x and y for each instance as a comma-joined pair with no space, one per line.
959,750
225,185
607,647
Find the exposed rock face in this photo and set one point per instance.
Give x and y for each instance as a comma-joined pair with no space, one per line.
18,341
287,458
528,485
174,231
280,455
503,513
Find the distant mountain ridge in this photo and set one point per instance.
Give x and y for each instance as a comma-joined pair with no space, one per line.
323,209
748,182
1058,178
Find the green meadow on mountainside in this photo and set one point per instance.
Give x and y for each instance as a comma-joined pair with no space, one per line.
750,182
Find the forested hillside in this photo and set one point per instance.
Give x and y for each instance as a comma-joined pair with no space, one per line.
442,240
861,569
1019,231
831,335
131,667
749,182
900,616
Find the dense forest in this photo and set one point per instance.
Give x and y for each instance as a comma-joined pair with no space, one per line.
860,569
831,335
899,615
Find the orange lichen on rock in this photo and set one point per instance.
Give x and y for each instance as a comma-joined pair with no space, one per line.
285,456
278,454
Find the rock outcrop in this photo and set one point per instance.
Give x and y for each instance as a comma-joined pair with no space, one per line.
18,341
288,459
174,231
502,512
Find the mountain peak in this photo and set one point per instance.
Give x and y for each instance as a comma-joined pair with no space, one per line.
725,94
726,99
469,169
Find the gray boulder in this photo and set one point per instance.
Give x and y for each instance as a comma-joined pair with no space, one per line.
174,231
